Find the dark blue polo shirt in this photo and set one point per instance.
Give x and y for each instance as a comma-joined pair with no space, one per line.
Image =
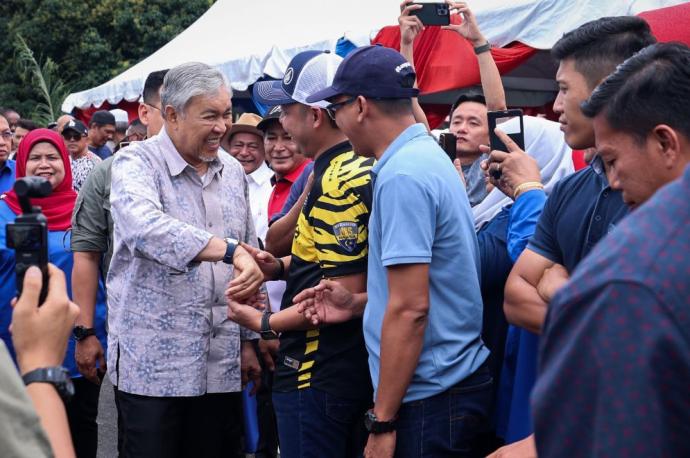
7,175
580,211
615,357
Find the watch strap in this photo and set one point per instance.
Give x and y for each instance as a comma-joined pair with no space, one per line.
483,48
374,426
230,250
81,332
266,332
57,376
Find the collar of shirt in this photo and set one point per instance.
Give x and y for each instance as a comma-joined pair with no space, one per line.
293,175
7,166
415,130
261,175
321,163
598,166
176,164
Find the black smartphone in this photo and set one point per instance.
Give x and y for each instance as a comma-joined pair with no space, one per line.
510,122
432,13
448,143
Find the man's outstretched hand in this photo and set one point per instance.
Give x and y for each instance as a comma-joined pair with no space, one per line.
327,303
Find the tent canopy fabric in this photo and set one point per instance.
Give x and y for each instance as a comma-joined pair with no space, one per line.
246,41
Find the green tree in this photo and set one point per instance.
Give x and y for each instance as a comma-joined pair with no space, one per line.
90,41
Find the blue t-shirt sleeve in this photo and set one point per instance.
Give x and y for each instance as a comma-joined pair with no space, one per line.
407,212
524,215
295,191
544,241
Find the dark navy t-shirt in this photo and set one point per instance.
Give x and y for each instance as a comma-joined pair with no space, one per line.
581,210
614,364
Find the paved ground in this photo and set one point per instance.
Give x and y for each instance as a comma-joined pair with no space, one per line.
107,422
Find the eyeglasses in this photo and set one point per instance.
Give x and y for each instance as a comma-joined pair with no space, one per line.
72,137
152,106
7,135
333,107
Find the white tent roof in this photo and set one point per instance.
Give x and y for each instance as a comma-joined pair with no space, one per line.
246,39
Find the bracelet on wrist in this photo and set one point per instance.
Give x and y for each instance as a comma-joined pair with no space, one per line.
527,186
482,48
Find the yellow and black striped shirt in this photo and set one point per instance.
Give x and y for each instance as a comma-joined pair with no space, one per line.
330,241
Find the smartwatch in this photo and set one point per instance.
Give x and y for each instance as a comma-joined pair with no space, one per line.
230,250
266,332
483,48
80,333
56,376
374,426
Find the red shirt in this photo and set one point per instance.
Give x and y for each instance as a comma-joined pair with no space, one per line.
281,190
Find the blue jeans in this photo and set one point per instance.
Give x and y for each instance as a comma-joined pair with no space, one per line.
455,423
312,423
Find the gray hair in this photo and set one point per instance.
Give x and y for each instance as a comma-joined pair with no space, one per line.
189,80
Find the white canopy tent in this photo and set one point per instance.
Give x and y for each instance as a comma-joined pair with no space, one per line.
246,39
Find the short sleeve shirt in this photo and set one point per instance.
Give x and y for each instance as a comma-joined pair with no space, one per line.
82,168
580,211
330,241
421,215
614,361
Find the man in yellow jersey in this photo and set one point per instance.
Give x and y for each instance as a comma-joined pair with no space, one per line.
322,386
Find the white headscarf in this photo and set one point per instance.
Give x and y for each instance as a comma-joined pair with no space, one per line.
544,141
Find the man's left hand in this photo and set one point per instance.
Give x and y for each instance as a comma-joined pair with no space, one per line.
380,445
248,275
553,279
249,365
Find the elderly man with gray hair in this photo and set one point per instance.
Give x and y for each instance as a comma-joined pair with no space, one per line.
180,212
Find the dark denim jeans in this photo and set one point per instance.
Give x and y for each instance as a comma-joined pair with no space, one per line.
455,423
315,424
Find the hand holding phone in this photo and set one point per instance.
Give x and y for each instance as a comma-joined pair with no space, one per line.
432,13
510,122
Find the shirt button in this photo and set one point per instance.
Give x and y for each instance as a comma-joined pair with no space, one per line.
605,195
597,218
210,224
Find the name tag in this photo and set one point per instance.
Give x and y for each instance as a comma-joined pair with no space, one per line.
291,362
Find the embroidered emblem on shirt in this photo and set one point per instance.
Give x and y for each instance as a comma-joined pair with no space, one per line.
346,234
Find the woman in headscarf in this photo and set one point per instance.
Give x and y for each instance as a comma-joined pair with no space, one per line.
42,153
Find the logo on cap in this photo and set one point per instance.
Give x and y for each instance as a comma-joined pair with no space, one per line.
402,66
287,79
274,110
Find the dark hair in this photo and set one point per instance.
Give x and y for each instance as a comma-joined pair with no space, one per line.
650,88
598,46
470,97
27,124
4,111
152,86
393,107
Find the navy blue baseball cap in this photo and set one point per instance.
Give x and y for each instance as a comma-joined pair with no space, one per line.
307,72
372,71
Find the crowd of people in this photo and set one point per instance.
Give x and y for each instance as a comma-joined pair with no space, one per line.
378,298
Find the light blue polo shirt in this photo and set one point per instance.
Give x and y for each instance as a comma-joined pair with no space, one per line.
421,215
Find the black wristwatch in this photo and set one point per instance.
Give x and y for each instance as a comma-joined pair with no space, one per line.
230,250
374,426
80,333
57,376
266,332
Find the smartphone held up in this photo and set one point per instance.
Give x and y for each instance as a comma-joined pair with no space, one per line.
432,13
